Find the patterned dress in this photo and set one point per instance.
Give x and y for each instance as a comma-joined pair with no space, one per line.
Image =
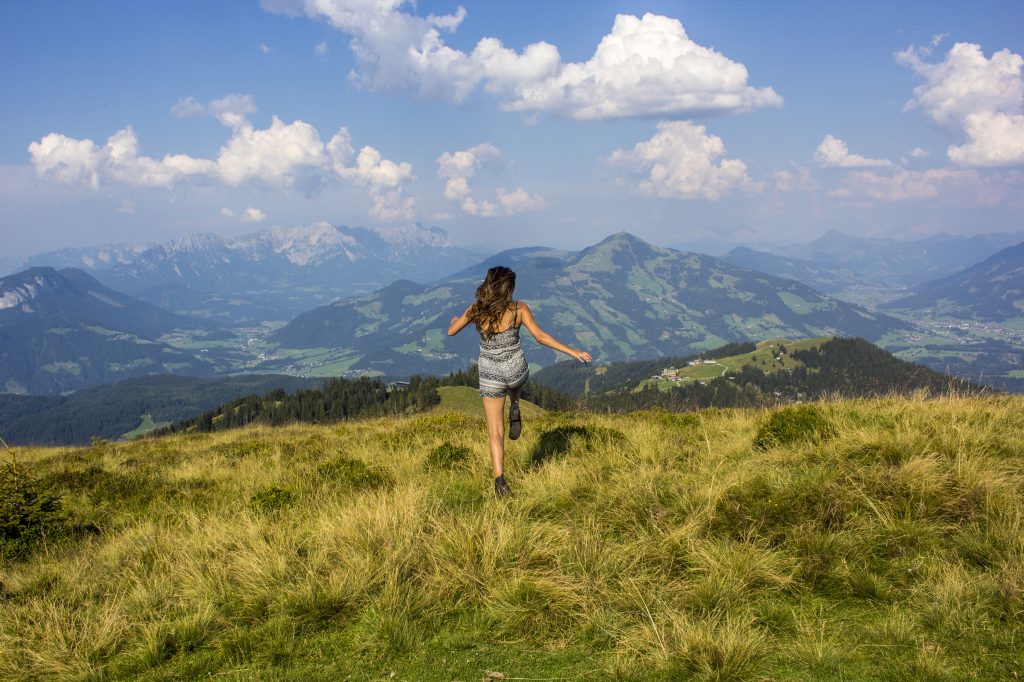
502,363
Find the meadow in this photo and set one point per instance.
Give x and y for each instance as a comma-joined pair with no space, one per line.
873,539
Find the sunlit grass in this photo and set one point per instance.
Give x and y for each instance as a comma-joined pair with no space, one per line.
642,546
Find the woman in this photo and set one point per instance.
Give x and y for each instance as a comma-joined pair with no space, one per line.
503,368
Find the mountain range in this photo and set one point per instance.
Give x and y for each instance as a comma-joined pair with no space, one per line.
898,262
272,274
828,279
620,299
991,290
63,330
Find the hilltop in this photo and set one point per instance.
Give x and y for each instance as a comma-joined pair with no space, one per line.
727,544
748,374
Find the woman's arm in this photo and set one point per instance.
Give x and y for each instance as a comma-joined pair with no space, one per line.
546,339
458,323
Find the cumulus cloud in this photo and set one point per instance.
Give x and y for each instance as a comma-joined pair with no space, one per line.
918,153
833,153
283,155
646,66
458,168
264,48
680,161
983,97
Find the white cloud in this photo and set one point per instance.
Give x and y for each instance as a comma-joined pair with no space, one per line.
964,187
793,180
996,139
833,153
249,215
264,48
284,155
646,66
253,215
230,110
126,206
982,96
458,168
320,49
679,161
918,153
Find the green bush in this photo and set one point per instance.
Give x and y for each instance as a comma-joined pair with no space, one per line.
448,456
558,441
353,474
28,511
800,423
271,499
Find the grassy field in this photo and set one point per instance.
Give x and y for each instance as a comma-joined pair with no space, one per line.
145,426
855,540
766,358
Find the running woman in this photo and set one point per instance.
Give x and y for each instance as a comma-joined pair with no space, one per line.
502,366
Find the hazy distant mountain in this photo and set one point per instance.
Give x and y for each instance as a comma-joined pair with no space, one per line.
900,262
991,290
88,258
62,331
271,274
829,279
620,299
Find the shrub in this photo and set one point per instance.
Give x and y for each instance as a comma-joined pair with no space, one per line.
448,456
272,499
353,474
558,441
800,423
28,510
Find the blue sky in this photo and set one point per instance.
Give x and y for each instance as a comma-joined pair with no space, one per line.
763,122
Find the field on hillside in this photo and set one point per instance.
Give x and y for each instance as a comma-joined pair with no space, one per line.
867,539
767,358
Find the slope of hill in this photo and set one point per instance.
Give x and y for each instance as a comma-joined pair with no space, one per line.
862,540
273,274
622,298
62,331
893,261
113,410
990,290
840,282
776,371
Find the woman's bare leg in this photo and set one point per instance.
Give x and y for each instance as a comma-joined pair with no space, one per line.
494,411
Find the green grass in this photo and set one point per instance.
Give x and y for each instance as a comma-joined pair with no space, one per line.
145,426
859,540
763,358
466,400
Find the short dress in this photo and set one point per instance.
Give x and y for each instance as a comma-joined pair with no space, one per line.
502,363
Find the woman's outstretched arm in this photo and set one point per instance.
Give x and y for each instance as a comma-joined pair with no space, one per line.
546,339
458,323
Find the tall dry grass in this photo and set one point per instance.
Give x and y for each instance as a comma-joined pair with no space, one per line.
653,545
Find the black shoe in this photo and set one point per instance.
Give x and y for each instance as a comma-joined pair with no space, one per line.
515,420
501,488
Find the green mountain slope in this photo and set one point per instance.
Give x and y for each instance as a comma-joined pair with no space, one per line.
620,299
63,331
775,371
990,290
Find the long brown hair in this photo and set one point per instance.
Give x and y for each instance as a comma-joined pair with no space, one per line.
493,298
